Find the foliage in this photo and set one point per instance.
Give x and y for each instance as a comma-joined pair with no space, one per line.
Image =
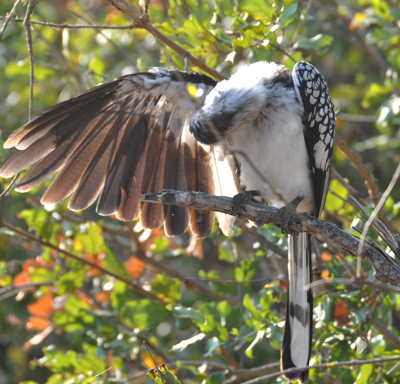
77,324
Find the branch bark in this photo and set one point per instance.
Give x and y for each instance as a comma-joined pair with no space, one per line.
385,267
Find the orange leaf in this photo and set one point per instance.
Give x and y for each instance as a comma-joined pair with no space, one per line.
43,306
148,361
135,266
325,275
341,313
95,260
23,276
102,296
326,257
36,323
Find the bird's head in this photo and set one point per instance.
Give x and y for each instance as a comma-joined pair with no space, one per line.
252,93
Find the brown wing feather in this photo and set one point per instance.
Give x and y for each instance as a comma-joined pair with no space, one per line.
203,181
181,170
120,140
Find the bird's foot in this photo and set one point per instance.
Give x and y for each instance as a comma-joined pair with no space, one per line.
240,199
285,213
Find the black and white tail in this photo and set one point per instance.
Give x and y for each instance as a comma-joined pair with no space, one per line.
296,345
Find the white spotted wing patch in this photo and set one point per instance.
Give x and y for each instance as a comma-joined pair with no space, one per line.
319,125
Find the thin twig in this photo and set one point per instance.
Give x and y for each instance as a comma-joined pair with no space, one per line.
13,181
71,26
354,192
27,26
116,47
152,358
8,18
362,118
386,332
356,281
370,220
333,364
373,189
261,239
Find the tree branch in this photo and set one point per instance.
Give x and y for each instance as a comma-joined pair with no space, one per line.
144,23
385,267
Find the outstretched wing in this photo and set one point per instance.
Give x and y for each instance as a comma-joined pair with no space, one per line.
118,141
319,126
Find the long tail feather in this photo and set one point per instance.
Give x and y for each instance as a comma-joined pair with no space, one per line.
296,345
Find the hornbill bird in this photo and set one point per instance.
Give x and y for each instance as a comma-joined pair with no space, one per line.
168,130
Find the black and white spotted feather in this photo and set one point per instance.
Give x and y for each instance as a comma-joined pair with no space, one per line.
318,117
148,131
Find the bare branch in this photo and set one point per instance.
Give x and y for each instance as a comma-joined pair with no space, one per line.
376,211
71,26
354,192
350,363
362,118
13,181
8,18
386,269
386,332
355,281
27,26
261,239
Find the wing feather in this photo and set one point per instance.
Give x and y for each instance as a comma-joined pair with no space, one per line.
117,141
319,126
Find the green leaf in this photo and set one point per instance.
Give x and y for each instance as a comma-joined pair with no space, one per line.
365,374
92,240
191,313
166,288
162,375
28,382
246,270
70,281
249,349
260,9
288,14
317,43
119,295
39,275
37,219
142,314
248,304
217,378
225,253
211,346
114,264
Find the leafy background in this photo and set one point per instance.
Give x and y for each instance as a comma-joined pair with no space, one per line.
211,310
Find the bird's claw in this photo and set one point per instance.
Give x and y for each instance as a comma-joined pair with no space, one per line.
240,199
288,218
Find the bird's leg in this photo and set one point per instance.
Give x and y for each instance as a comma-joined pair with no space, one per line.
240,199
286,212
